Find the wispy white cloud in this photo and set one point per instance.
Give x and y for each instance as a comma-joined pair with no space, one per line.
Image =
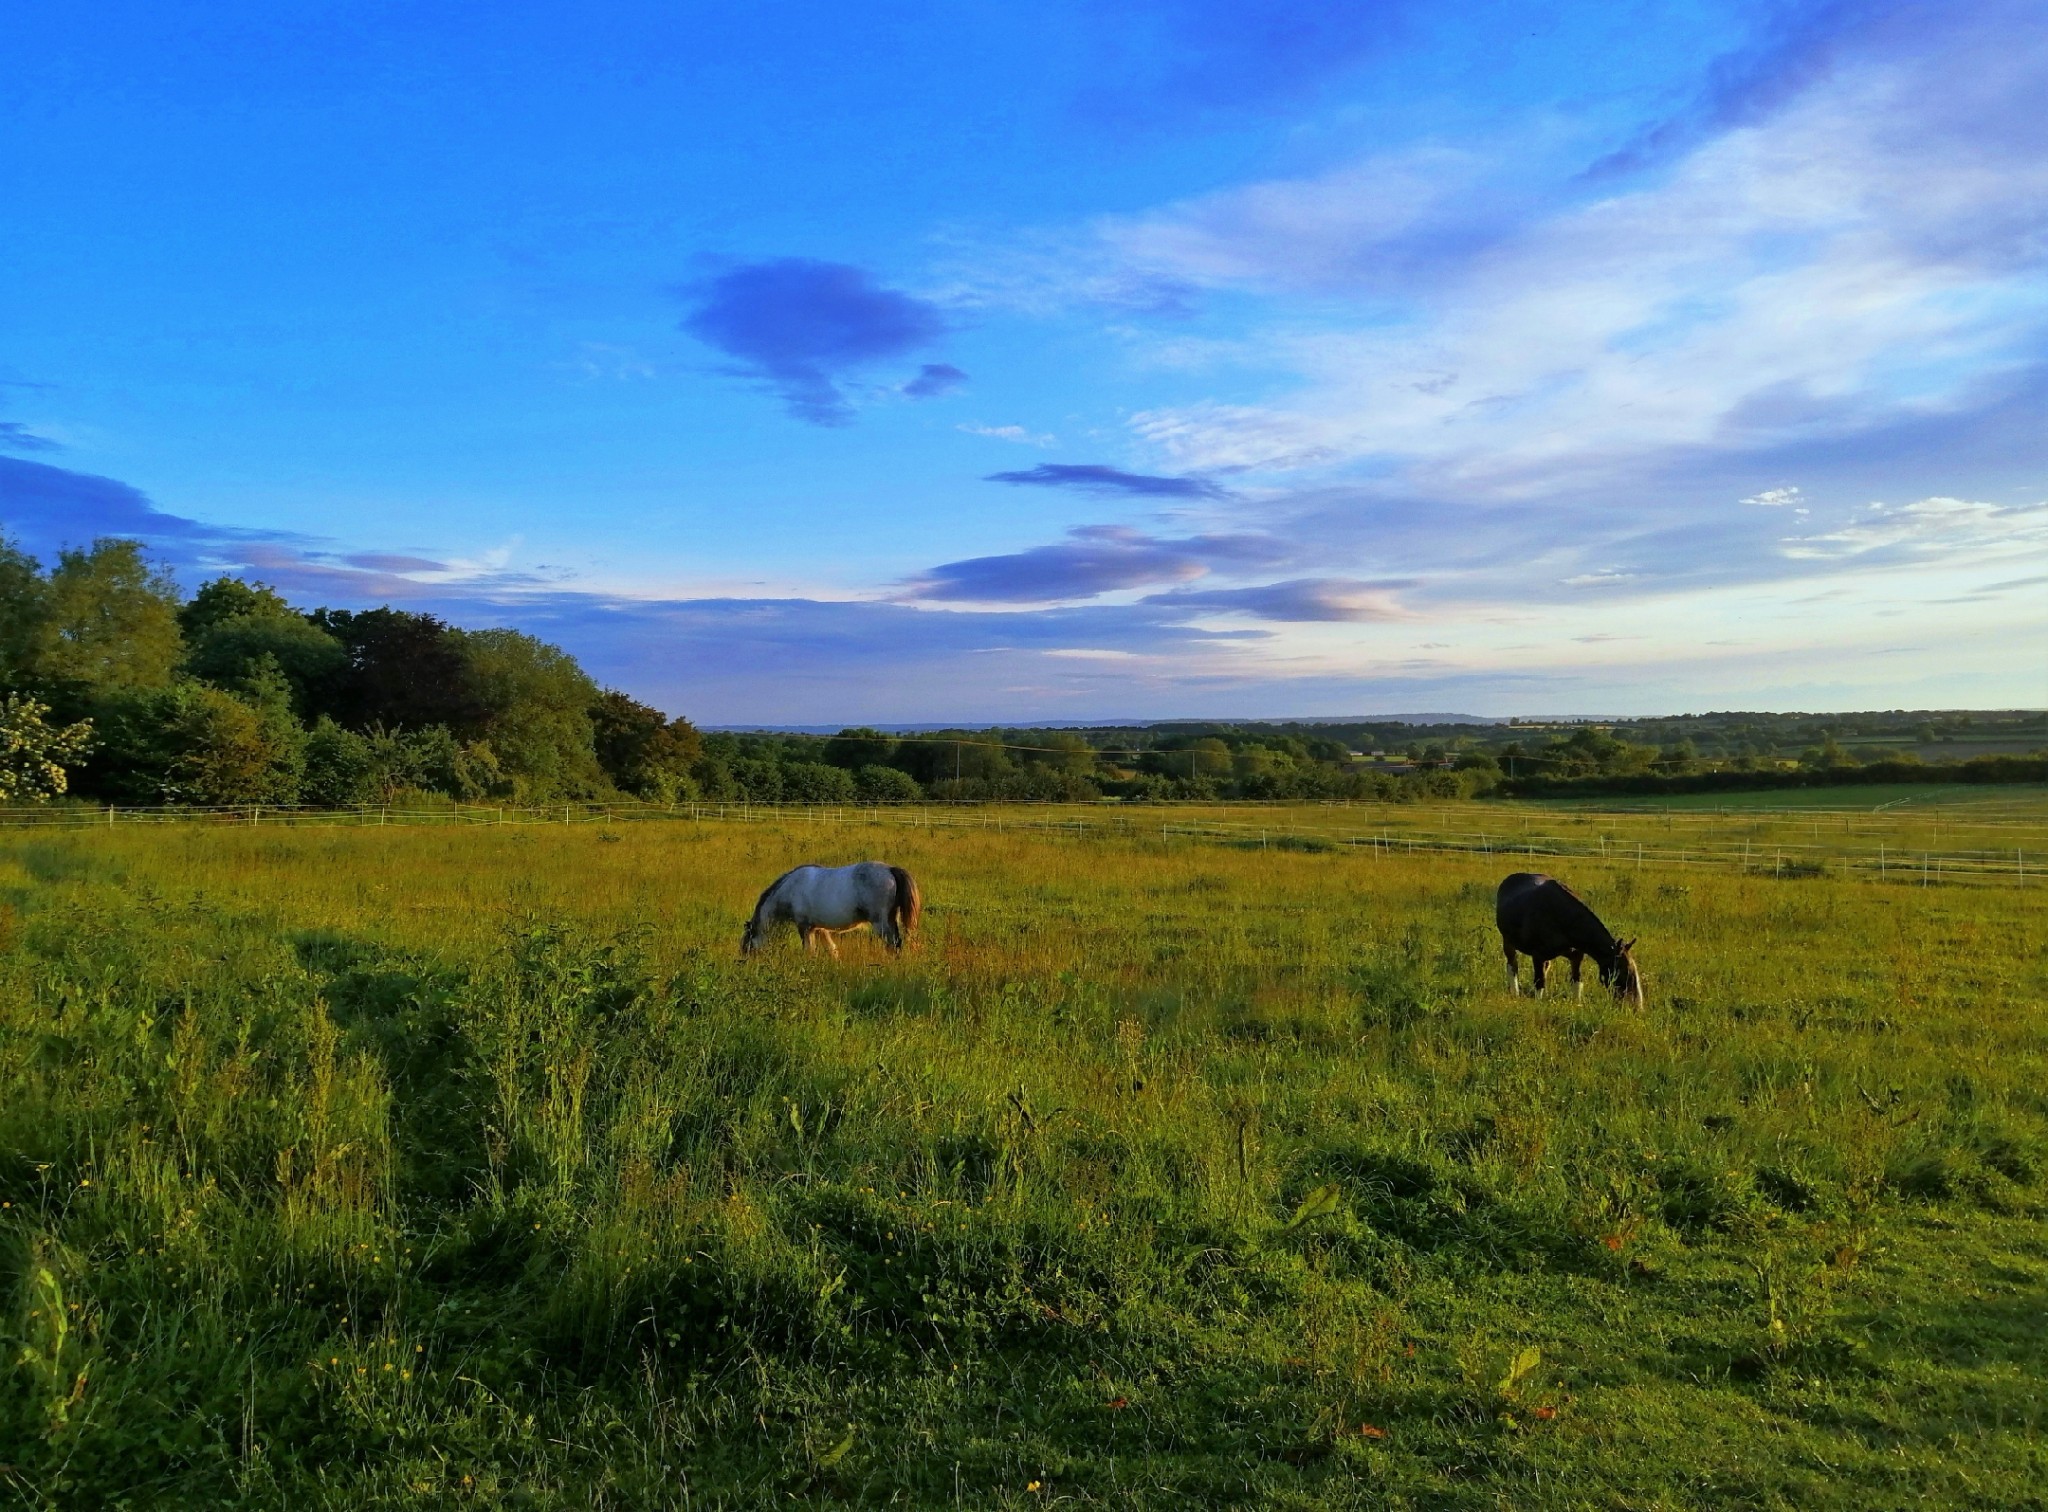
1015,434
1868,252
1345,230
1939,527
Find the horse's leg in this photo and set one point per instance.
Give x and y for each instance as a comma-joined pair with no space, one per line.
831,944
1538,962
803,936
1578,986
1514,970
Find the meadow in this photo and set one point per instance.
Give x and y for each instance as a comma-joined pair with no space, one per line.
1187,1158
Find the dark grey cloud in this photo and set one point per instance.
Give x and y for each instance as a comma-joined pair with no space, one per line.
47,507
785,661
726,660
1096,478
311,575
1092,560
799,326
379,561
1298,600
934,379
18,436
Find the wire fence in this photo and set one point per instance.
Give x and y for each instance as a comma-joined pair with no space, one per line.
1890,863
1846,850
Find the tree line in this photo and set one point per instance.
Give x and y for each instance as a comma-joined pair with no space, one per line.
119,689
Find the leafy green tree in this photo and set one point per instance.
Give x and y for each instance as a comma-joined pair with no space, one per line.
227,598
1254,761
36,756
1046,784
860,747
537,704
1829,755
876,783
230,626
954,755
1589,751
753,779
816,782
401,670
643,751
112,621
712,769
226,653
24,614
341,769
1063,751
229,750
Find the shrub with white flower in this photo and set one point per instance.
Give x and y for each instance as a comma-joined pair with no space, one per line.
34,754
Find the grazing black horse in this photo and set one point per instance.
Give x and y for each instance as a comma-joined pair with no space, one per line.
1543,919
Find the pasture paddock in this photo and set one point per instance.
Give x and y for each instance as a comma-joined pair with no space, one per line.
400,1166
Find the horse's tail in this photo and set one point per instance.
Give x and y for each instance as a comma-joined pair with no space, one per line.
908,904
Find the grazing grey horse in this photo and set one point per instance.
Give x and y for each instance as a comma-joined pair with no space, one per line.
822,901
1543,919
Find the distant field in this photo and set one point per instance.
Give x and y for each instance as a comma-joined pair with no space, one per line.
2030,800
1191,1157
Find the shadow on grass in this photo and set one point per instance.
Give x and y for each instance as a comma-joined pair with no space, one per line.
402,1009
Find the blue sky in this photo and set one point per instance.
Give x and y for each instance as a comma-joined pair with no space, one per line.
803,363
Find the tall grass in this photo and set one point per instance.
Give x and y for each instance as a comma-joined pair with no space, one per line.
395,1167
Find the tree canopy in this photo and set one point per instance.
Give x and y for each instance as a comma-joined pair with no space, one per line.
130,692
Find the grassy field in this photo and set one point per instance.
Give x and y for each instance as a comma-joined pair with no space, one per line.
1190,1160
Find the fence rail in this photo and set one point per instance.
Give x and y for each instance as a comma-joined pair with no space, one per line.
1858,854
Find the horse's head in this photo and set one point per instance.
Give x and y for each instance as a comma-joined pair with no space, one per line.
1618,973
750,937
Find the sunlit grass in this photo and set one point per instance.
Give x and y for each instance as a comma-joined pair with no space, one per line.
398,1165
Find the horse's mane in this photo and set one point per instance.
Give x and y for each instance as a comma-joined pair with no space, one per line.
769,891
1584,910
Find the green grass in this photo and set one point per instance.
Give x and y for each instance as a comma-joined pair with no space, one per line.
408,1167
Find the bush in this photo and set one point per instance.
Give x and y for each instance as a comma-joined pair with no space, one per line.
223,750
1977,769
886,784
750,778
816,782
35,756
341,769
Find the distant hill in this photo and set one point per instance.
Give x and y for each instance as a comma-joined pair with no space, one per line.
1113,724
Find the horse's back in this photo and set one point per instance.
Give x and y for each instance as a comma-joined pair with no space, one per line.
1533,911
1516,895
833,897
1540,915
